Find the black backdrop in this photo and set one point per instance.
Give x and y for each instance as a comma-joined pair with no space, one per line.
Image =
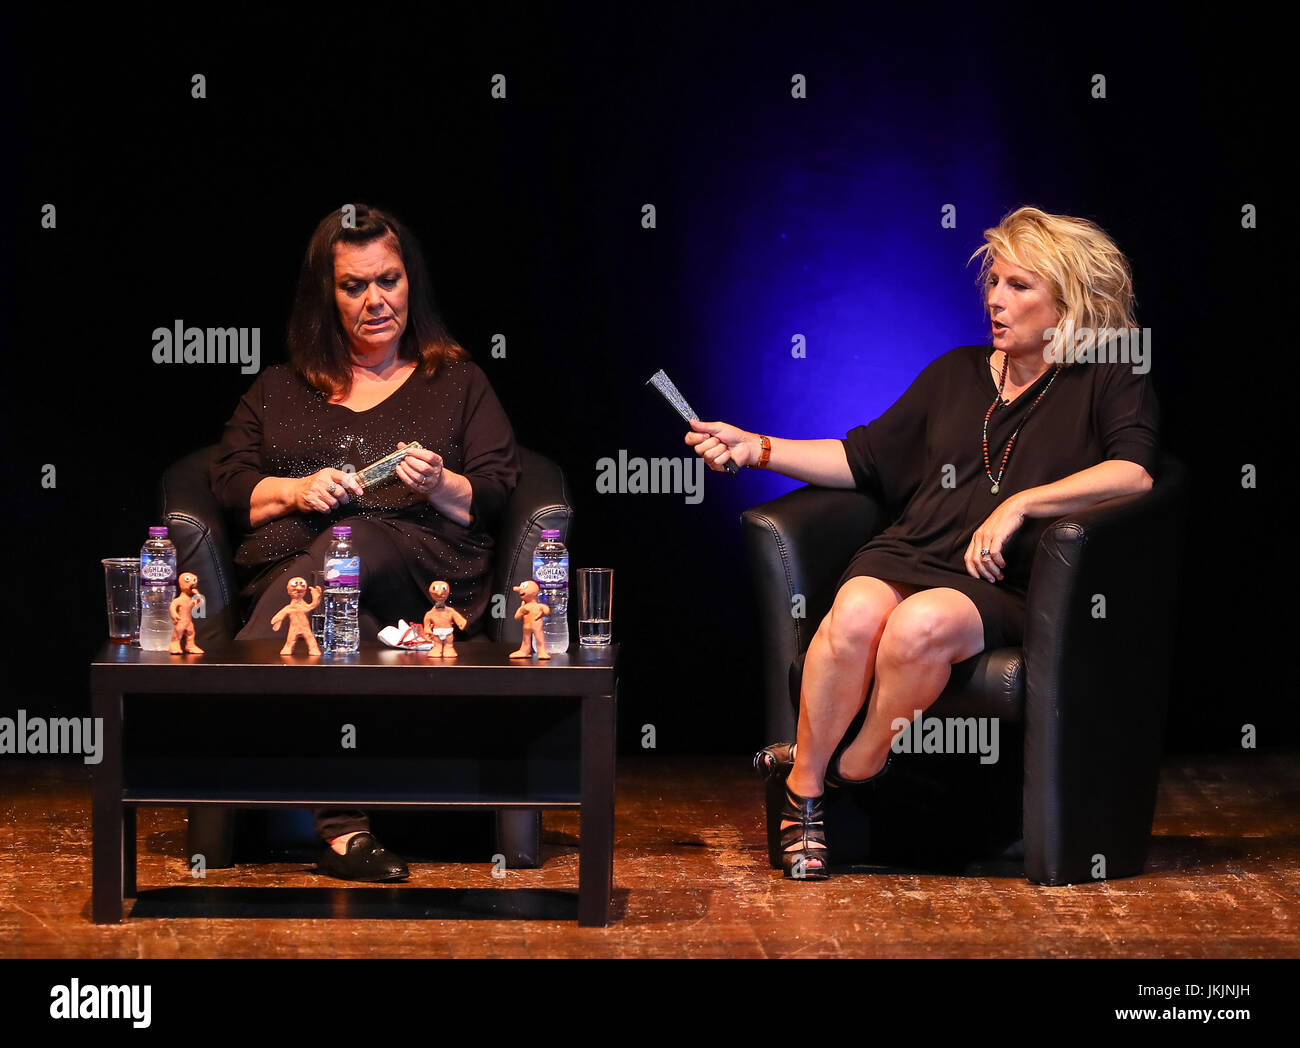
170,207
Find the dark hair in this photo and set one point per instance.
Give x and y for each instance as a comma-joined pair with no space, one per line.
318,346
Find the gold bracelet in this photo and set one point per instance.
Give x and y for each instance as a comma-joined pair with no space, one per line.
765,444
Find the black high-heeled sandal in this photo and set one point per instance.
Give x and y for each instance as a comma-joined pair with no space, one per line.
834,778
779,756
808,828
771,759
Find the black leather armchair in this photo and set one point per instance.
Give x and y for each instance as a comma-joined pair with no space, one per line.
198,527
1086,694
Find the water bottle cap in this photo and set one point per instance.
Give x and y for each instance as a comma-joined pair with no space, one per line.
157,533
342,531
550,534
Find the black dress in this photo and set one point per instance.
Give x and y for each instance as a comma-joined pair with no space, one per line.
1091,413
284,427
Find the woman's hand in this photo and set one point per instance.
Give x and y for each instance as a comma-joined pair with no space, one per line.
717,443
325,490
421,470
992,535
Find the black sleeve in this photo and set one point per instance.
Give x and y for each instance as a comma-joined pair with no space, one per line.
886,456
491,456
238,467
1127,416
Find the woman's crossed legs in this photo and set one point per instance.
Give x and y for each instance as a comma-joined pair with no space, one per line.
889,640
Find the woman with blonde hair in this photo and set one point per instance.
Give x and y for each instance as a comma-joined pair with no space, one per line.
985,448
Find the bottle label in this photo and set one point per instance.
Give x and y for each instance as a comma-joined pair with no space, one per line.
156,570
342,571
551,572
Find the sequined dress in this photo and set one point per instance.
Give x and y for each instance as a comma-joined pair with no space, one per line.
284,427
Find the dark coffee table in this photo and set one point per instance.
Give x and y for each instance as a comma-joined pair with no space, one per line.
129,686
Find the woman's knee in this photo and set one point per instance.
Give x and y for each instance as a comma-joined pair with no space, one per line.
371,541
933,626
274,597
858,616
364,533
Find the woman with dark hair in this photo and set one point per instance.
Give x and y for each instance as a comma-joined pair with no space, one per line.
371,369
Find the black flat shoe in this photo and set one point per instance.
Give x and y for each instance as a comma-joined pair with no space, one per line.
365,860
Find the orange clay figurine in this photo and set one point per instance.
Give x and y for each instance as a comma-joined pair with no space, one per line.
532,613
298,609
439,620
182,612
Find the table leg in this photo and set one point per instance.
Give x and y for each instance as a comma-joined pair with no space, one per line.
128,850
107,848
596,840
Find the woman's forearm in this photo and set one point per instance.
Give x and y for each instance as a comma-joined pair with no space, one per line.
452,497
821,462
276,497
1106,480
273,497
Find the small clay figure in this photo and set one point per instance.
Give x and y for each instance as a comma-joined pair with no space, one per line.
182,612
532,612
439,620
298,611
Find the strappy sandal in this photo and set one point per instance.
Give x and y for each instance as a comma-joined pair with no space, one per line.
771,759
780,757
808,828
834,778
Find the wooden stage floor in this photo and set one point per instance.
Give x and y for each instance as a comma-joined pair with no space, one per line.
691,880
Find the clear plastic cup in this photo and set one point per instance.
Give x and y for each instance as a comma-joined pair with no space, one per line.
122,584
596,606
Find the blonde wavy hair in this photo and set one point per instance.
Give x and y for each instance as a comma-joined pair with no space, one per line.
1089,277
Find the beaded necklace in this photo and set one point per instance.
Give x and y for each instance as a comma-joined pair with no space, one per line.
997,481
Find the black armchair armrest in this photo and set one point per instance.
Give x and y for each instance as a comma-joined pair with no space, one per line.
798,545
540,501
197,525
1097,685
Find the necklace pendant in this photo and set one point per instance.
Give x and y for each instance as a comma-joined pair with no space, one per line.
994,489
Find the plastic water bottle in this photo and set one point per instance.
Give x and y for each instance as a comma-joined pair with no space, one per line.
551,573
157,590
342,595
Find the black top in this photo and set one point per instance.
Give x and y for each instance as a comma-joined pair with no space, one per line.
1091,413
284,427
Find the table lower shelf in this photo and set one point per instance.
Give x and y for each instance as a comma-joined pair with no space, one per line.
353,782
479,801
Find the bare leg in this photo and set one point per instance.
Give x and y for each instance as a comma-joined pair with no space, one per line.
837,672
925,635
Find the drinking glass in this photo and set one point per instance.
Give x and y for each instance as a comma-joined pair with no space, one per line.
596,601
122,582
317,617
